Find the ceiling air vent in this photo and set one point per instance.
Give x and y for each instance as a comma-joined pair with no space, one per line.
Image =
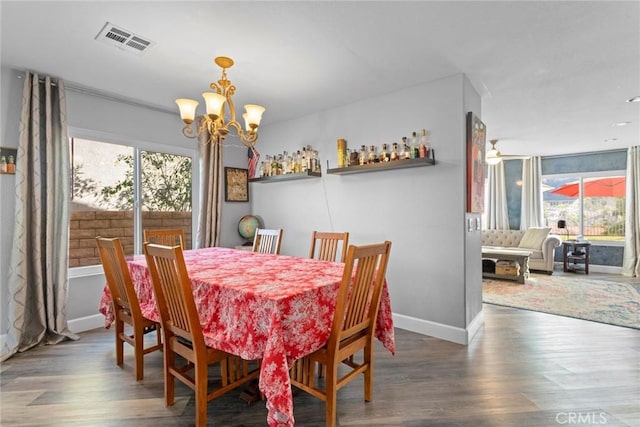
123,39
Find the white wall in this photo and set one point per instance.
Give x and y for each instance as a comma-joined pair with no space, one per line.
421,210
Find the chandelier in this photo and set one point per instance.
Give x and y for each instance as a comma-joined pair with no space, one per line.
213,124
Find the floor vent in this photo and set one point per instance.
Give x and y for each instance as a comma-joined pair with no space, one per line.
123,39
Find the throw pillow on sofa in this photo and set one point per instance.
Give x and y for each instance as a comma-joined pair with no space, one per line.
534,237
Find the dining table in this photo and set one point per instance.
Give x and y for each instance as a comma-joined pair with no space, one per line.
273,308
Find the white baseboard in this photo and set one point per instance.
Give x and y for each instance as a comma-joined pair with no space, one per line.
438,330
75,325
87,323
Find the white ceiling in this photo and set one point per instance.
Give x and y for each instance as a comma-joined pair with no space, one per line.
553,76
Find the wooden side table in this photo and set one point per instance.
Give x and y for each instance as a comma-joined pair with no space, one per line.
575,253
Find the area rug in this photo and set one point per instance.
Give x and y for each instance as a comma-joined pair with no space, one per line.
583,298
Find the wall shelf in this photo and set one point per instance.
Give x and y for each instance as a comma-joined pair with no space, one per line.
397,164
287,177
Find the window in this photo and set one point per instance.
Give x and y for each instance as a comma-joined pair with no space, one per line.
117,190
591,204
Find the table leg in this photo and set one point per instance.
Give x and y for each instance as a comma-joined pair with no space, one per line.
586,260
525,266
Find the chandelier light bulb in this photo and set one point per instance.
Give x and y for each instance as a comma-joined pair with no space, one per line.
254,115
215,103
187,109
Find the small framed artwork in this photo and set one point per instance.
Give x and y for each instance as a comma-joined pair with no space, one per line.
476,141
236,185
8,160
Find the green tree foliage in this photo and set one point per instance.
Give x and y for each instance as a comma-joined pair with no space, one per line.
166,184
80,186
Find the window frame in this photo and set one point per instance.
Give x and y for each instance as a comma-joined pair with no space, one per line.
582,176
138,146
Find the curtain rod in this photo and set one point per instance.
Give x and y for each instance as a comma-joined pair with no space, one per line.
108,96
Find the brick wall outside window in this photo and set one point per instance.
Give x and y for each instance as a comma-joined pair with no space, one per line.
85,226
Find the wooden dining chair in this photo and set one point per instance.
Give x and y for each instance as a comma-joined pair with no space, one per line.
267,241
352,331
169,237
183,334
327,245
126,308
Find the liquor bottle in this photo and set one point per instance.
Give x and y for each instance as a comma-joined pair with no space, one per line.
415,147
11,165
309,157
384,154
372,157
394,152
342,152
354,158
315,162
285,163
303,160
424,145
405,153
3,164
362,157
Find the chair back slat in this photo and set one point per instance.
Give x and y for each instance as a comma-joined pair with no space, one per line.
166,237
174,295
327,245
117,274
360,291
267,241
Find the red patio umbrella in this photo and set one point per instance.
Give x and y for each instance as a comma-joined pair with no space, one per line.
594,187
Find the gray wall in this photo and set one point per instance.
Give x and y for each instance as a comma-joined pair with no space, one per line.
574,163
421,210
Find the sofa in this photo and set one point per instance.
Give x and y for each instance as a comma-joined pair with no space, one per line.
538,240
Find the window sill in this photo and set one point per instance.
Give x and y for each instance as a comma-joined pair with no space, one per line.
90,270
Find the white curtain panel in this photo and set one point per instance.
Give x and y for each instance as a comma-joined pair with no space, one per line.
209,217
497,212
38,281
531,206
631,260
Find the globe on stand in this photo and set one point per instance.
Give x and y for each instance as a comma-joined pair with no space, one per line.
247,227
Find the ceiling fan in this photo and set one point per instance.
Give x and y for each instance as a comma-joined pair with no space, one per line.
493,156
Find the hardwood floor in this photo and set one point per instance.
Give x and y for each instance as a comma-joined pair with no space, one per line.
522,369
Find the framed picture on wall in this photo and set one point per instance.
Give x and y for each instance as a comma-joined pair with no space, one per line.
8,160
236,185
476,142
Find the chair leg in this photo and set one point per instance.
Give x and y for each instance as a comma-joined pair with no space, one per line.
368,374
331,397
201,377
169,379
119,330
159,334
139,352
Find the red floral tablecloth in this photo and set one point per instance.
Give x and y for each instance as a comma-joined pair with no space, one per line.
260,306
